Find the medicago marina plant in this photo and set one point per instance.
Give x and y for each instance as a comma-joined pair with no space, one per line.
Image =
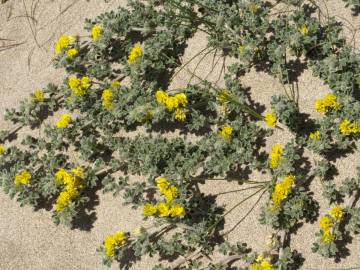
119,82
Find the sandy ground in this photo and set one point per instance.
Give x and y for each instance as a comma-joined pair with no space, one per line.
30,240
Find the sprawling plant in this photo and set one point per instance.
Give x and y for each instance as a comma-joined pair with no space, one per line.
120,108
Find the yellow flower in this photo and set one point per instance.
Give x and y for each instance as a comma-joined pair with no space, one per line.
170,193
271,119
327,237
161,96
315,135
63,200
79,86
327,103
39,95
60,175
110,245
223,96
275,156
171,103
162,184
347,128
282,190
79,172
22,178
337,212
108,98
73,183
2,149
96,32
72,53
115,84
326,223
181,99
180,115
262,264
63,43
64,121
149,209
135,53
163,209
226,132
304,30
114,241
177,210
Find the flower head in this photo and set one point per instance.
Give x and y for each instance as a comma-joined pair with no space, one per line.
96,32
327,103
262,263
112,242
304,30
64,42
39,95
226,132
177,210
79,85
108,97
135,54
347,128
72,53
2,149
326,223
224,96
23,178
275,156
64,121
180,115
337,212
315,135
115,84
163,209
282,190
271,119
149,209
327,237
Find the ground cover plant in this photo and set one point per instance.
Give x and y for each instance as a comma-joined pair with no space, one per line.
118,83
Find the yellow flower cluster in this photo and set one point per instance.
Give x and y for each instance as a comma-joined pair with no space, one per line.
275,156
347,128
72,53
271,119
262,263
226,132
304,30
23,178
96,32
168,208
177,102
79,86
64,42
38,95
224,96
73,183
327,103
327,223
2,149
282,190
315,135
64,121
112,242
135,54
108,98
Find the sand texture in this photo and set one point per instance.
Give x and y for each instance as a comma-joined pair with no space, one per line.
30,240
